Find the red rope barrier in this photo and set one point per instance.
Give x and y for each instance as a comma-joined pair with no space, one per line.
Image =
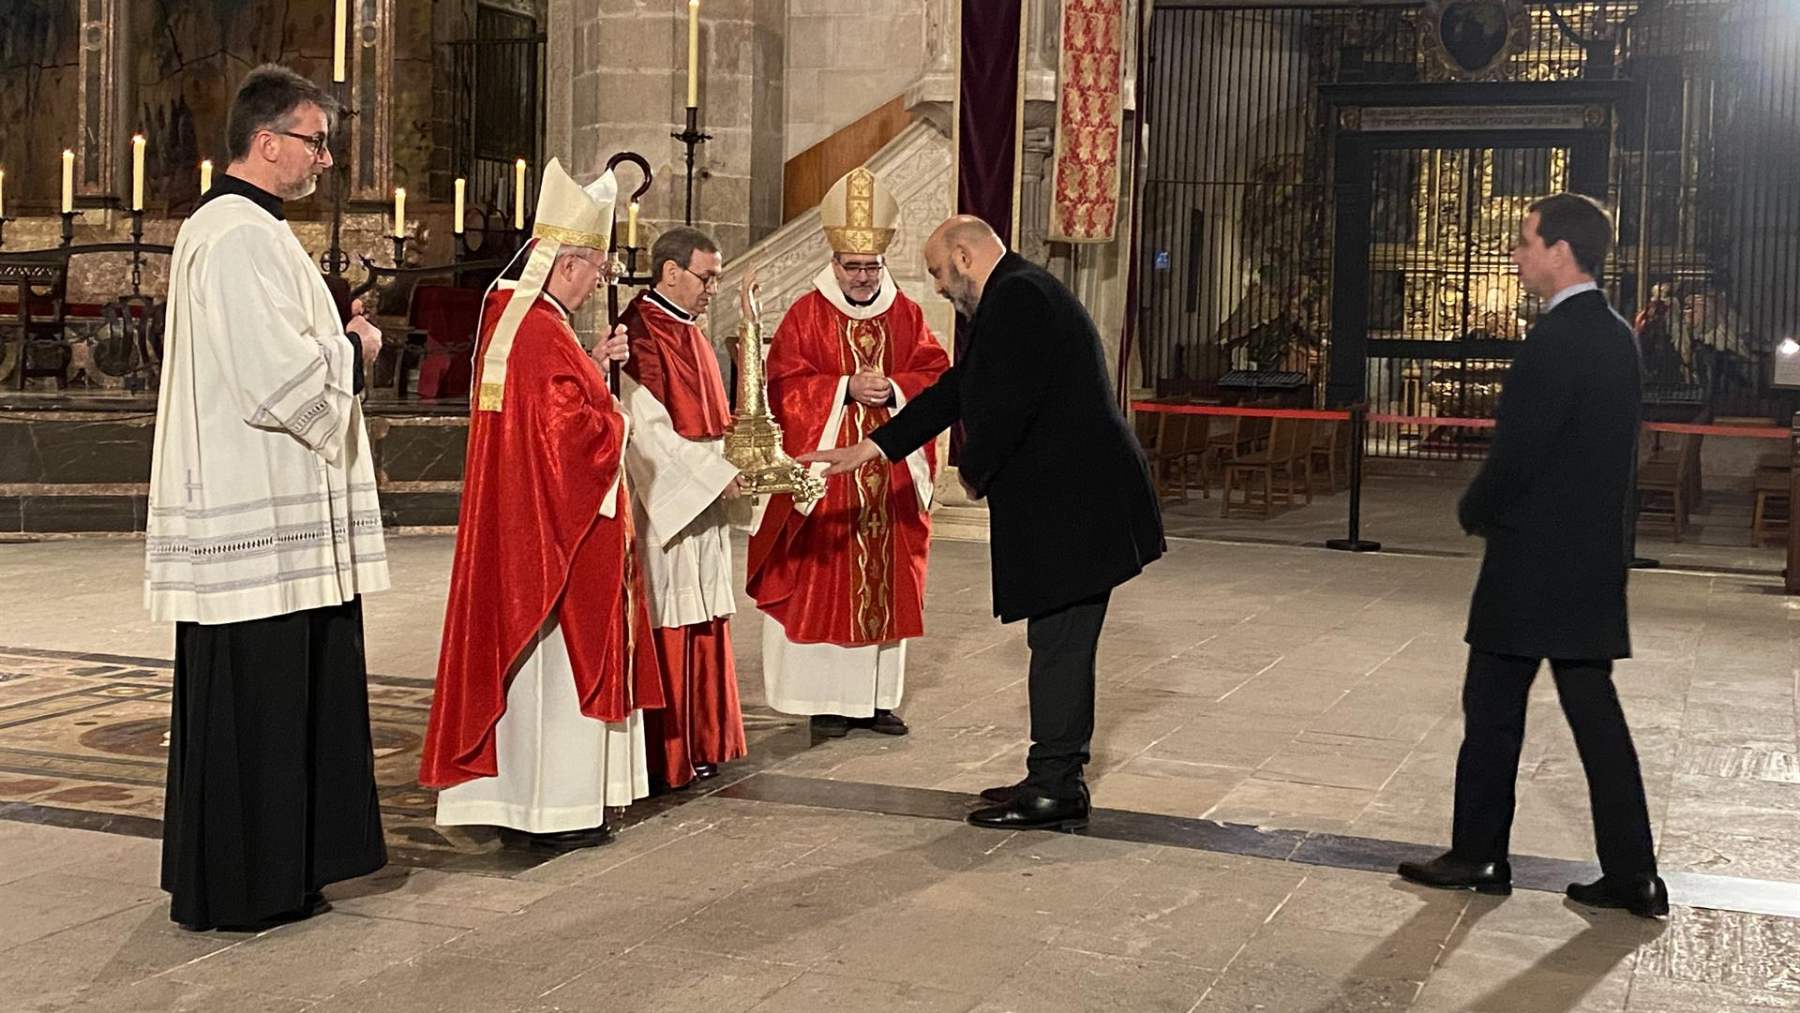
1166,408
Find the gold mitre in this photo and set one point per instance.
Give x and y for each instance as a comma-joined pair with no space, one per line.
859,214
568,214
574,215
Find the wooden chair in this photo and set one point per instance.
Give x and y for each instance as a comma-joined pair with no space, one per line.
1331,452
1772,511
1666,484
1287,456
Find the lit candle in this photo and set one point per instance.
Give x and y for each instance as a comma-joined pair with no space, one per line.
456,223
137,172
339,27
693,54
68,181
205,177
399,212
631,225
2,193
519,195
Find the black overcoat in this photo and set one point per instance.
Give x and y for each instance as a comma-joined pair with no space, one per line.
1071,509
1552,498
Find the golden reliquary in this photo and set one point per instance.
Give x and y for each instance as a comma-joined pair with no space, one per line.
753,442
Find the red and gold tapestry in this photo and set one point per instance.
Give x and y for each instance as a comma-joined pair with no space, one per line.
1085,186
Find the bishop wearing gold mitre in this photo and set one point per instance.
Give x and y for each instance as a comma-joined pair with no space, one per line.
842,579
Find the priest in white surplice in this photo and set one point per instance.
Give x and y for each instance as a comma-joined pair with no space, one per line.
264,533
547,657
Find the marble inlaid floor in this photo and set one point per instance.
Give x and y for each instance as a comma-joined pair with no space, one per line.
1275,724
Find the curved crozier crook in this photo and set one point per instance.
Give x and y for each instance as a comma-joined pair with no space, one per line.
638,160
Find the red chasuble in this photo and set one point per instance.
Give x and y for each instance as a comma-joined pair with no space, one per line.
531,544
852,572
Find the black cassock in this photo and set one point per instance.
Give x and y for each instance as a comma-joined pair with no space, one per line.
271,791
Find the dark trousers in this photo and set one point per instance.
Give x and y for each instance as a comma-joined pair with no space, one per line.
1063,645
1494,698
271,791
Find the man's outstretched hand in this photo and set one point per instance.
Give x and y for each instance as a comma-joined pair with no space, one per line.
844,459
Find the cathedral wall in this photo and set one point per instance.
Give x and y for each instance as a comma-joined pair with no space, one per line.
844,59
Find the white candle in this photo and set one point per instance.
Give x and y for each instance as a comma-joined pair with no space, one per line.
693,54
2,193
631,225
456,224
339,27
519,195
205,177
68,191
399,212
137,172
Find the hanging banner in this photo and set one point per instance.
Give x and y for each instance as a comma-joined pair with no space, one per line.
1084,205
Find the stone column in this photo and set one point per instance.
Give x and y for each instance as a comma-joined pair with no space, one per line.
623,86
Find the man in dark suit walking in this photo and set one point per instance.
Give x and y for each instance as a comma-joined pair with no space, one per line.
1552,500
1072,513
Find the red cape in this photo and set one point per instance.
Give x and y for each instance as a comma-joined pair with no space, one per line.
673,360
852,572
531,543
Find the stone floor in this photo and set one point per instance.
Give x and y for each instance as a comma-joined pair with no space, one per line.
1276,726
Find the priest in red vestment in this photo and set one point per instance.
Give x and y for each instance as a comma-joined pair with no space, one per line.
687,498
547,659
842,580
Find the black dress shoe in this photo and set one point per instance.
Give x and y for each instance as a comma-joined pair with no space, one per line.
887,723
830,726
1028,810
312,904
1645,896
561,842
1003,793
706,770
1449,872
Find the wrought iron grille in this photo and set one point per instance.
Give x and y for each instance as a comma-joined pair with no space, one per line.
499,108
1241,201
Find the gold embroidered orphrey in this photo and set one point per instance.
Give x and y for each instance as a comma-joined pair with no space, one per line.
867,228
1473,39
871,572
753,441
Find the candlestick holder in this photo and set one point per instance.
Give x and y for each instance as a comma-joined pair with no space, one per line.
137,251
399,251
692,137
68,227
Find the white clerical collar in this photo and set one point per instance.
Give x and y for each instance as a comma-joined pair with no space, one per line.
1573,290
661,302
509,284
827,284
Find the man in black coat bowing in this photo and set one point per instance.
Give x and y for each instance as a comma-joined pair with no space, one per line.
1552,500
1072,513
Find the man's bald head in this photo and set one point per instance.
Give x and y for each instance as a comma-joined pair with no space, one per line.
960,255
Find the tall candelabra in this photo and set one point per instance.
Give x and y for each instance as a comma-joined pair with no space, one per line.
692,137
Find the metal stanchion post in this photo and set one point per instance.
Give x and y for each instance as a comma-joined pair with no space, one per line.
1359,438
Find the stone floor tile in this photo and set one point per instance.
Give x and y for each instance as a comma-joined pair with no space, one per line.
101,956
315,959
856,993
1249,987
169,995
1746,951
1652,994
1062,980
445,982
1292,805
658,979
931,945
49,902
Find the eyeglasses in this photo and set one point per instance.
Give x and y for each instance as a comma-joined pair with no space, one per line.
868,270
315,143
708,282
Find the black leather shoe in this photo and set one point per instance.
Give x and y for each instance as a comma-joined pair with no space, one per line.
1449,872
830,726
1003,793
887,723
561,843
1645,896
706,770
1031,811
